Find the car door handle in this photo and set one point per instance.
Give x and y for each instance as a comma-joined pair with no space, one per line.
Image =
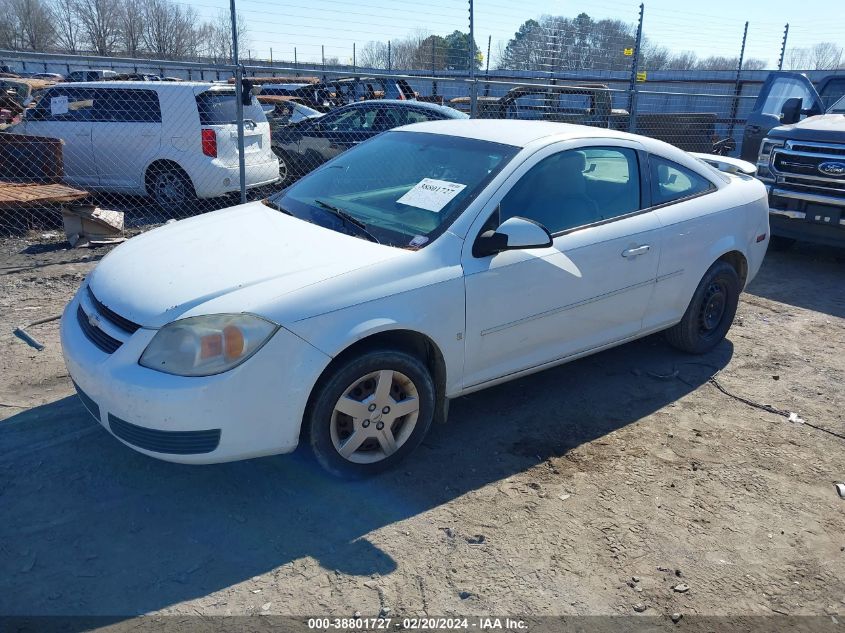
638,250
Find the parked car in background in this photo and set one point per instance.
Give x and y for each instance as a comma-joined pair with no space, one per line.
171,141
90,75
326,95
803,165
48,76
779,88
429,262
285,110
592,104
303,146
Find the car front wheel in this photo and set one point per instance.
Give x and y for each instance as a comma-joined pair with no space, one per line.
370,412
710,313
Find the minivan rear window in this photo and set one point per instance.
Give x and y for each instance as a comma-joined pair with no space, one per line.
219,107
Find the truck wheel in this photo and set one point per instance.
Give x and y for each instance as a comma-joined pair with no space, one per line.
370,412
778,243
710,313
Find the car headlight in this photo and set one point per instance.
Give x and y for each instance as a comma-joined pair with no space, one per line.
764,160
206,345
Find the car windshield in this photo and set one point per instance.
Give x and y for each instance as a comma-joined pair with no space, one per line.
838,107
400,188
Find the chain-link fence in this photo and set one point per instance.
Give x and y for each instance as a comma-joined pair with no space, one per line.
156,140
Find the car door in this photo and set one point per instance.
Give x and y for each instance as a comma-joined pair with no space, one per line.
338,131
778,87
66,113
126,134
527,308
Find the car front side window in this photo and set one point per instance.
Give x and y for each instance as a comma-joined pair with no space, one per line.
576,188
65,104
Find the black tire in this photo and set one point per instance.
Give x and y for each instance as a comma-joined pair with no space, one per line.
172,190
710,313
778,243
322,416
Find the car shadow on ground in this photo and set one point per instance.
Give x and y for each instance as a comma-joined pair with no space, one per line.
91,527
806,276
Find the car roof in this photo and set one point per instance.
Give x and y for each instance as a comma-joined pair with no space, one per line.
515,132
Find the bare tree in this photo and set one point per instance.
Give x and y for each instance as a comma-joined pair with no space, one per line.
9,31
797,59
825,56
131,26
686,60
100,23
68,26
218,37
35,23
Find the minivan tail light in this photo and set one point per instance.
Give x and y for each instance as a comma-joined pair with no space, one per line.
209,143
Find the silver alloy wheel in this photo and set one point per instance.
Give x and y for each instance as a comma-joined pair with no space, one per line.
375,416
169,188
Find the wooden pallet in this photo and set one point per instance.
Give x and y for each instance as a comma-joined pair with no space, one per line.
13,194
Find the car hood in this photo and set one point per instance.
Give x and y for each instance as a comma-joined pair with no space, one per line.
172,271
825,128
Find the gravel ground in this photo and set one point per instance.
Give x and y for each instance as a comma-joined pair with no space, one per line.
619,484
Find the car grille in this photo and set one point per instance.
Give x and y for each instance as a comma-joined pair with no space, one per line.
172,442
99,338
798,164
113,317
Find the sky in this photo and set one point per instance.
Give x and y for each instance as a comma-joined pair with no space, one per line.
709,27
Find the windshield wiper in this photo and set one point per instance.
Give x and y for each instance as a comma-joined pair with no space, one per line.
348,218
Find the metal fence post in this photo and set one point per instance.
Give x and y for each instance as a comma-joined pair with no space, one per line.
635,64
487,69
783,47
354,60
473,87
240,103
738,82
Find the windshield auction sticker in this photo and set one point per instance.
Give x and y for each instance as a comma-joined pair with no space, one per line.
58,105
431,194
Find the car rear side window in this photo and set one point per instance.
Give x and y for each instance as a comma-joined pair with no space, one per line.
220,107
128,106
671,182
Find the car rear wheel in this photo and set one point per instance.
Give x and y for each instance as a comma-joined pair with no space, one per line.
370,412
710,313
171,188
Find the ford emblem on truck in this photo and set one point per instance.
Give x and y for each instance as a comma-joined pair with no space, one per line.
832,169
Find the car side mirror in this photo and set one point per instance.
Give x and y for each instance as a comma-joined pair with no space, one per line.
791,111
515,233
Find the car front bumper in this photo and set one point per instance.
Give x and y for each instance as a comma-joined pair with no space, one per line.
252,410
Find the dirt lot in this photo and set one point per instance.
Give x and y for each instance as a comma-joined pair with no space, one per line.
611,482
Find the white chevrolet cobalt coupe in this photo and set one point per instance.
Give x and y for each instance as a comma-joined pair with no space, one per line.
434,260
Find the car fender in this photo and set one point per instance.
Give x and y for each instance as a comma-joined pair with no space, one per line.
435,312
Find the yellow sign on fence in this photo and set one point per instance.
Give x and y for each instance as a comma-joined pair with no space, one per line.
629,52
642,76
